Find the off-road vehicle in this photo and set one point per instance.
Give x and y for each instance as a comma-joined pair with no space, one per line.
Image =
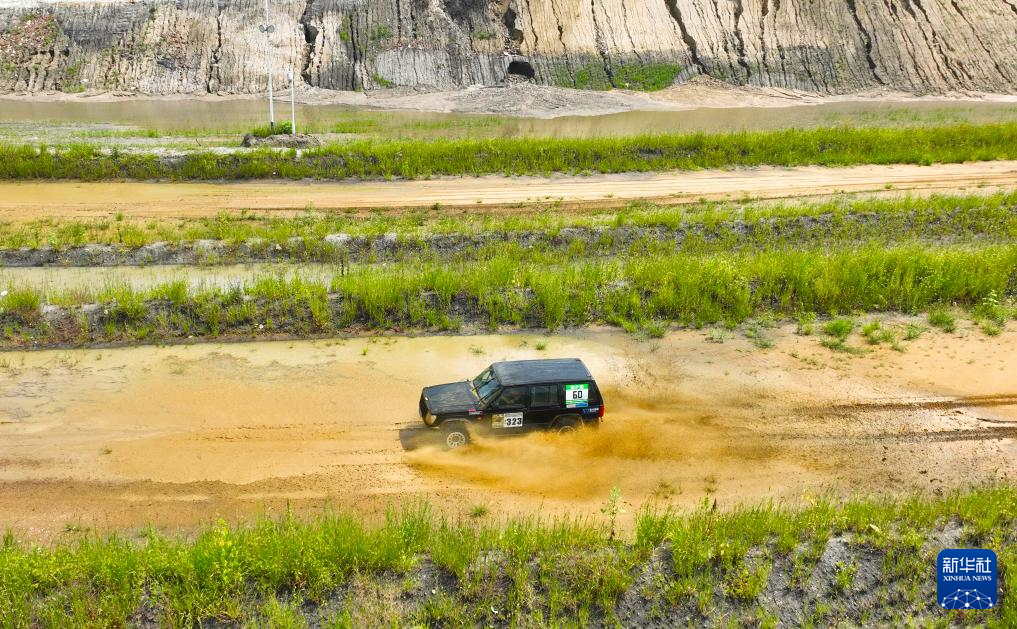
514,397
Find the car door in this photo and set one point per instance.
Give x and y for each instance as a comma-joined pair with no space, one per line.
545,405
508,410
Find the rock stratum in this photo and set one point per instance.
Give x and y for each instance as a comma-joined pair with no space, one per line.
216,47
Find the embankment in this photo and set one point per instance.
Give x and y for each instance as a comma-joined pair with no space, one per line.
860,563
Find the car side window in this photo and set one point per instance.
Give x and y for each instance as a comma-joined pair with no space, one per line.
544,396
510,398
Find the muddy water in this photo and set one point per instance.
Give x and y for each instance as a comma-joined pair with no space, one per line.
51,280
176,435
241,114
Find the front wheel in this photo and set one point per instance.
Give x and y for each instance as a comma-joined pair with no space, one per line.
455,435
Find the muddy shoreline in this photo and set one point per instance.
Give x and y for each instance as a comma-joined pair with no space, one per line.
537,101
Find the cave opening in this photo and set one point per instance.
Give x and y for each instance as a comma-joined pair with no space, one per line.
521,69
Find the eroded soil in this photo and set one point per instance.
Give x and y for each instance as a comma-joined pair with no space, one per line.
179,435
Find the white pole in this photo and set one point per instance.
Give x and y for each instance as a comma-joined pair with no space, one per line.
293,103
268,56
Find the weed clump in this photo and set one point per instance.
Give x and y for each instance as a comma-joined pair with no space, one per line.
839,329
281,128
942,319
24,304
806,322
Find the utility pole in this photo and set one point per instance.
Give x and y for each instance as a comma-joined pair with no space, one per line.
267,29
293,103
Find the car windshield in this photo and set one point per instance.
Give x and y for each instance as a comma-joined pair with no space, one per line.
485,385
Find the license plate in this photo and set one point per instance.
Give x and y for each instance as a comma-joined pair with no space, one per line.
512,420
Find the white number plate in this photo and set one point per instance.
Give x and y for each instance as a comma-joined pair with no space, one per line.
512,420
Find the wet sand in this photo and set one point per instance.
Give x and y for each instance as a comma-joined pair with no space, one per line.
37,200
175,436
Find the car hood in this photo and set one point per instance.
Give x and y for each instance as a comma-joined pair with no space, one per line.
455,397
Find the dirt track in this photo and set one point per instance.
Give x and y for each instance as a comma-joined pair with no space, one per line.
35,200
178,435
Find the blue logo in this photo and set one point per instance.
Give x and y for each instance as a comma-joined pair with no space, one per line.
967,579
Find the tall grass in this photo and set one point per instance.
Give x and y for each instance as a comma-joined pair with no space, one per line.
527,156
527,571
517,290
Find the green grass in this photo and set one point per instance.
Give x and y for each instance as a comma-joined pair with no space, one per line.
806,323
286,571
648,78
839,329
711,226
23,303
281,128
944,320
518,288
527,156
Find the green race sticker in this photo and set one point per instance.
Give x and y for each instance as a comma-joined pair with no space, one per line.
577,395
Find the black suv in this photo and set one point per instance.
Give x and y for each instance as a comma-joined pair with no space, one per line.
514,397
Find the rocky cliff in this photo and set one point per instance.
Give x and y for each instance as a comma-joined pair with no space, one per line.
215,46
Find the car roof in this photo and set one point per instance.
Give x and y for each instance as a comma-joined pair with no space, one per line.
536,371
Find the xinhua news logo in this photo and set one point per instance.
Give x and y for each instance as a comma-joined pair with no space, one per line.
967,579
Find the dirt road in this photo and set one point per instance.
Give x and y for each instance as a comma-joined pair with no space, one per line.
35,200
178,435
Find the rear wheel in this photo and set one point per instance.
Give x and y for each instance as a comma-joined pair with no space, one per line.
566,425
455,435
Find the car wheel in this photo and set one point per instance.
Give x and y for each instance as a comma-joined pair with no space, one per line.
567,426
456,436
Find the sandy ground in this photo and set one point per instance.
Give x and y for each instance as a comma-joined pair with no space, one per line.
36,200
178,435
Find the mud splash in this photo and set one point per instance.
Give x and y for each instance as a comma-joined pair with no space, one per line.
655,445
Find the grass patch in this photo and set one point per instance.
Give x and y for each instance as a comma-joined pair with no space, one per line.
280,128
288,571
649,78
527,156
23,304
519,288
942,318
839,329
806,323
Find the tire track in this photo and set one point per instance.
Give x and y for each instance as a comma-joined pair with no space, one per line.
36,200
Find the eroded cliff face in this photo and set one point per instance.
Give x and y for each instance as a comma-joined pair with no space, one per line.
215,46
